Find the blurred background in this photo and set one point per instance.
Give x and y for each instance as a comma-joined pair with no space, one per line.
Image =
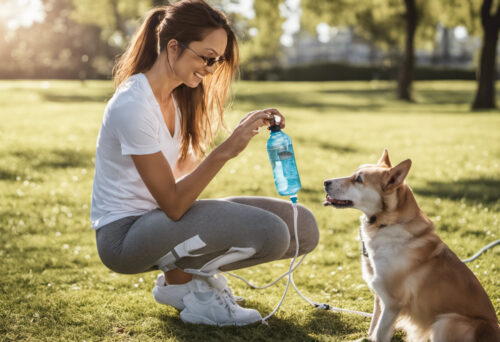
293,40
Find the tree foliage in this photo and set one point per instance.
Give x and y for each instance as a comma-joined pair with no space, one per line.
264,48
380,21
117,19
57,47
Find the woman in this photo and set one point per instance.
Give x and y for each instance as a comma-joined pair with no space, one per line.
172,84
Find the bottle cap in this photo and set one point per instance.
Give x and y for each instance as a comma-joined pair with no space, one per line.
274,128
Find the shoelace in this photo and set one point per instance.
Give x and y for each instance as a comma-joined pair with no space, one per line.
226,298
231,295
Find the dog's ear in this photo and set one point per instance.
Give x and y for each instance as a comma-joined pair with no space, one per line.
384,160
397,175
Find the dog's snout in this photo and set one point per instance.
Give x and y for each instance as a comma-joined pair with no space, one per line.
327,182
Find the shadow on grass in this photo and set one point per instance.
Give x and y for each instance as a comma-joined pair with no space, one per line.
432,96
55,158
386,92
438,97
300,100
45,159
50,97
9,175
325,145
57,94
321,323
363,99
483,190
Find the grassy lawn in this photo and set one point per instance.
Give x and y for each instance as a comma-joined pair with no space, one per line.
54,287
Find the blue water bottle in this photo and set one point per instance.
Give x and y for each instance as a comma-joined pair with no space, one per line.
280,150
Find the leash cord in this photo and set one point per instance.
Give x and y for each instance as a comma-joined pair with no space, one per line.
475,256
290,274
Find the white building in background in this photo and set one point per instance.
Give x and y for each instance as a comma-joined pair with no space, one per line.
453,48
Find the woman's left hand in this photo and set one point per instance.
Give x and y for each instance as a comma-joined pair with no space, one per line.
275,113
248,127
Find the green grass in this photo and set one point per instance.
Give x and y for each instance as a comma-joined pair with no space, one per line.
54,287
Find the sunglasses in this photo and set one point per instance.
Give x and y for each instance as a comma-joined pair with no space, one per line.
209,61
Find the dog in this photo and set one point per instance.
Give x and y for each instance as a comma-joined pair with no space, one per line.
418,283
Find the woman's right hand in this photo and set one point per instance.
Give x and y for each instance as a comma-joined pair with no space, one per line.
248,127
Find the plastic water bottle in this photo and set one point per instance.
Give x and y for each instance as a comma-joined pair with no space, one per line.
280,150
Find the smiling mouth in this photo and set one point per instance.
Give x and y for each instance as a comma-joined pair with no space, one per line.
200,76
337,203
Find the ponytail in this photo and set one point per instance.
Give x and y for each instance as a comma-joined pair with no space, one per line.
143,48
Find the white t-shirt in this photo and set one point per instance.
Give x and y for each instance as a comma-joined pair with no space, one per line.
133,124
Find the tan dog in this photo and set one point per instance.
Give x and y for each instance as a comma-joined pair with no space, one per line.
415,278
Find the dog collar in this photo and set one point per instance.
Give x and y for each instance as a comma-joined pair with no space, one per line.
373,219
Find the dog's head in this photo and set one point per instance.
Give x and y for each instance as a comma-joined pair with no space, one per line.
368,186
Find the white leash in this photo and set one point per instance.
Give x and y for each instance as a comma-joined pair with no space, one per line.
475,256
292,268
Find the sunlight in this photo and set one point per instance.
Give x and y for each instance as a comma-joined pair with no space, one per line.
21,13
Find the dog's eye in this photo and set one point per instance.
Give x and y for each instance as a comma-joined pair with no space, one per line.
359,179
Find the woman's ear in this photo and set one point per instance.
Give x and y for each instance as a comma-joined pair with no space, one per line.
173,47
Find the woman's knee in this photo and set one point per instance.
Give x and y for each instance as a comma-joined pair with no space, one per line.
309,232
276,238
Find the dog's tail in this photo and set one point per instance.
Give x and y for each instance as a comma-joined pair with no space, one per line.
455,327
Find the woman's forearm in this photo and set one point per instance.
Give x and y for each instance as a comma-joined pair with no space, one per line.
188,188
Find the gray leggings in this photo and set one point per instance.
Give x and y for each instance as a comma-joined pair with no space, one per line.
212,236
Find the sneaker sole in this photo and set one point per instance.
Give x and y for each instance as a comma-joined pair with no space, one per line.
195,319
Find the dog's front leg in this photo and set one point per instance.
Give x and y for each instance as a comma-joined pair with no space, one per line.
385,326
375,315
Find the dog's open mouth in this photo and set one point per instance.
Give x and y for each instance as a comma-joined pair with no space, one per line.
337,203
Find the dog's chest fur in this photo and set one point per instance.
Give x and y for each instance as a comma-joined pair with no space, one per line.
385,253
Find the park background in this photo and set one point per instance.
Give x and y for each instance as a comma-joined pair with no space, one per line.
352,77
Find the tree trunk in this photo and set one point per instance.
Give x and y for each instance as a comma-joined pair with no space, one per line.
407,64
445,57
486,75
119,22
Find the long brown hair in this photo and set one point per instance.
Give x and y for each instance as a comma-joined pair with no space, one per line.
202,107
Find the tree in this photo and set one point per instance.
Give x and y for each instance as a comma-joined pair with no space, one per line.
382,22
117,19
263,49
57,47
479,17
405,77
485,95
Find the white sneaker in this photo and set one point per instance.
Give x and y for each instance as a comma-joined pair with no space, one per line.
211,302
170,294
219,282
